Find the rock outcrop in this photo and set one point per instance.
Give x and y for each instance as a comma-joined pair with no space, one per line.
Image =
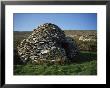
47,44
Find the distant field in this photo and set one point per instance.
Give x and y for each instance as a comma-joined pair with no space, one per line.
80,32
24,34
75,34
86,64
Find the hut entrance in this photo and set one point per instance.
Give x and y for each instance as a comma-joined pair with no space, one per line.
66,47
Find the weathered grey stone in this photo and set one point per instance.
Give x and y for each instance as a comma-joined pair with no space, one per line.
47,42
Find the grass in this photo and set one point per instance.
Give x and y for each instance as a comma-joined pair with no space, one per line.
86,64
83,66
87,68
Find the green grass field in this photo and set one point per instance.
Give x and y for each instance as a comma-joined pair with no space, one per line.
83,66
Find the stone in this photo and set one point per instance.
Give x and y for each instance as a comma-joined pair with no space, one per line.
47,42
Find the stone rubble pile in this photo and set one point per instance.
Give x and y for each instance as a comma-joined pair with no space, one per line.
47,44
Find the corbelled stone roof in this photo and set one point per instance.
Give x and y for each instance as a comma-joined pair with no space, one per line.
47,44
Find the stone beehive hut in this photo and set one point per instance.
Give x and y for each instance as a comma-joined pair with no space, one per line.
47,44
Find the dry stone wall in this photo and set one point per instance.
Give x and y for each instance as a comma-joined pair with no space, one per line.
47,44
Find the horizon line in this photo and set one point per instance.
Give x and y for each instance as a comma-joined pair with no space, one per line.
67,30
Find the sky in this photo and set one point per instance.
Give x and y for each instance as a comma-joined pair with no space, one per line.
66,21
